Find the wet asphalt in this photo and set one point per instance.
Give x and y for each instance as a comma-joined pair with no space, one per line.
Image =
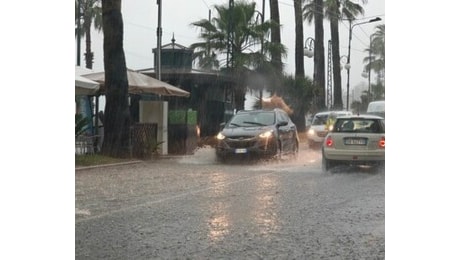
193,207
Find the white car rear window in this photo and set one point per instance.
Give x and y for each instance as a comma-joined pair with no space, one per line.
358,126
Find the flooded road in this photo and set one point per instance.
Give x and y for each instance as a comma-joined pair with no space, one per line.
192,207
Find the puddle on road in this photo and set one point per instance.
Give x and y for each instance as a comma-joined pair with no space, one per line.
202,155
206,155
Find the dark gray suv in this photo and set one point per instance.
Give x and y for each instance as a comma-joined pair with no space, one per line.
258,133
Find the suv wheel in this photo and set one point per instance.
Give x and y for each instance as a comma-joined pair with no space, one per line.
279,153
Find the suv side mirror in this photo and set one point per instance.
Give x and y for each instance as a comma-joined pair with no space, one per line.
283,123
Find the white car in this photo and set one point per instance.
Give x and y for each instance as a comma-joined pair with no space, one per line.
376,108
355,140
318,129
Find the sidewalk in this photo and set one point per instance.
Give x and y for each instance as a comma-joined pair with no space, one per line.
160,157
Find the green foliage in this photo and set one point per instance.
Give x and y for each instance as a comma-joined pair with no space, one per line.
90,11
96,159
378,91
248,34
154,146
81,124
358,107
182,117
298,94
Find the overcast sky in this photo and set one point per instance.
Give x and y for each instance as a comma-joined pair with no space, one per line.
141,21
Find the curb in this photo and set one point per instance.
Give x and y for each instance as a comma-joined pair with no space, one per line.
105,165
127,163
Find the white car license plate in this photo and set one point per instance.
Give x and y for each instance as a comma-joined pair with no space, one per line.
241,150
355,141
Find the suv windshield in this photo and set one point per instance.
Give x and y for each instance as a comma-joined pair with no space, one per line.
253,119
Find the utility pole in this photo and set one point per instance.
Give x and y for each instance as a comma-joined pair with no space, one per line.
159,33
329,100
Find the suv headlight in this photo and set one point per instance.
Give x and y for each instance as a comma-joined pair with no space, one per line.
220,136
267,134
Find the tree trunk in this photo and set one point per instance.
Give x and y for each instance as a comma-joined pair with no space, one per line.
338,104
240,97
88,53
240,87
299,44
276,38
116,121
318,59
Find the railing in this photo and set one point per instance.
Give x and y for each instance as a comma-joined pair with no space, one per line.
142,143
85,144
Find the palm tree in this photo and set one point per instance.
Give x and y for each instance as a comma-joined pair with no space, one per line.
247,34
334,11
378,49
376,60
299,58
313,10
90,10
116,120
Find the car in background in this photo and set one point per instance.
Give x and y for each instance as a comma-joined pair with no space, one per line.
376,108
308,120
318,128
258,133
355,140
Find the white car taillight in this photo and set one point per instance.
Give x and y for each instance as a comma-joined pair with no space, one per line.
328,142
382,142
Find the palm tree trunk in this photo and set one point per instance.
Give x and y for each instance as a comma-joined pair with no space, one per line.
338,104
116,121
318,59
88,53
299,58
276,36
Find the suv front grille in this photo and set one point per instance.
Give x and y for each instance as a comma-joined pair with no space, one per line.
241,142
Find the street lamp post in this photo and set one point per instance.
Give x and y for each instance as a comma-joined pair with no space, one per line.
344,60
309,47
308,51
348,57
344,65
261,45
